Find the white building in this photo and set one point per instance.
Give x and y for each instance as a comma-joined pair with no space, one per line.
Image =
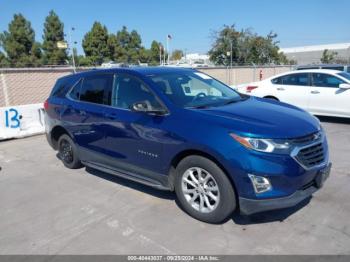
195,59
313,53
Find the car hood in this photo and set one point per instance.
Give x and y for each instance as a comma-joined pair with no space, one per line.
258,117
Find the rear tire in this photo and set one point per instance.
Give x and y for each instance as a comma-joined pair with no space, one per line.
68,152
203,190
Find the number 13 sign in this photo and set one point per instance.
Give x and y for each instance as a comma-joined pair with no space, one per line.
12,118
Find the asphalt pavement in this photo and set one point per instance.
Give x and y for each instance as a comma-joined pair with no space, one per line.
46,208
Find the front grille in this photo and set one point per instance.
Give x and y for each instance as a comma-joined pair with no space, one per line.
311,156
306,139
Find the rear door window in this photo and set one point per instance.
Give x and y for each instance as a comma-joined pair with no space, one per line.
300,79
95,89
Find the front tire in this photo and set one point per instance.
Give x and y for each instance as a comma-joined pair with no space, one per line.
203,190
68,152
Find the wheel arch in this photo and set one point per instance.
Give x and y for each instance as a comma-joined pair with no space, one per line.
56,133
190,152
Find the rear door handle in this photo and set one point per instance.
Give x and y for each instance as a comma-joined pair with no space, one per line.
280,89
315,92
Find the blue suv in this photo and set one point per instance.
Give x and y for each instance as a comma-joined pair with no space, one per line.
181,130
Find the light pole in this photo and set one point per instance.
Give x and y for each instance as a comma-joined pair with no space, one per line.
231,53
71,47
160,53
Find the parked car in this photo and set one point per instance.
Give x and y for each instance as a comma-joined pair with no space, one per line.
181,130
345,68
319,91
112,64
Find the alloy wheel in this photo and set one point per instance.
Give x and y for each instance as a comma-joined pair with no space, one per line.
66,151
200,189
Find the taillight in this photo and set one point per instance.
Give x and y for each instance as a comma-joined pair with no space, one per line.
46,105
250,88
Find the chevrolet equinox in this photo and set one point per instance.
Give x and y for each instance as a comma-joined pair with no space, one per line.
182,130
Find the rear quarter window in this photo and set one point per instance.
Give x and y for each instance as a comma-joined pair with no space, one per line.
277,81
75,90
59,89
62,86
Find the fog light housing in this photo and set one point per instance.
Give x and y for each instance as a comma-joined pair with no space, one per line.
261,184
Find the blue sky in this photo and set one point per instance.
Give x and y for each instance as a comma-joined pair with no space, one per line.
190,22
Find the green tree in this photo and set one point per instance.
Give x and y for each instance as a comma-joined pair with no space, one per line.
83,61
126,47
264,50
154,52
246,46
19,43
177,55
3,60
95,44
328,57
220,53
53,33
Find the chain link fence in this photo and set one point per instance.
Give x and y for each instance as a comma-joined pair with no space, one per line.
22,86
238,75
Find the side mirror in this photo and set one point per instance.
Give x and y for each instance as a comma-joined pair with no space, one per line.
141,106
187,90
146,107
344,86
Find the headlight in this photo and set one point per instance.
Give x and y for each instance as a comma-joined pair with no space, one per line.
264,145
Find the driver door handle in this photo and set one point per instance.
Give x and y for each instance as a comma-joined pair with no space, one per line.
315,92
280,89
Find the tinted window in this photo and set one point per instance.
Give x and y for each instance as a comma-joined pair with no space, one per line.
194,89
95,89
345,75
75,91
325,80
340,68
61,87
277,81
128,90
293,79
310,67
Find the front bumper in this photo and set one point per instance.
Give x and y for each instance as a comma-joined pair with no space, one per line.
251,206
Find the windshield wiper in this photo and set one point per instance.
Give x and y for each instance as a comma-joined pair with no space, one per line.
236,100
232,101
201,106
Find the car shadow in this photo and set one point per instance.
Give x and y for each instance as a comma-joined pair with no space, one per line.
131,184
269,216
237,218
335,120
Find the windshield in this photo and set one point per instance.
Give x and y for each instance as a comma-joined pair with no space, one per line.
194,89
345,75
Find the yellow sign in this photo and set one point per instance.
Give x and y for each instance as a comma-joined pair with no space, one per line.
62,45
